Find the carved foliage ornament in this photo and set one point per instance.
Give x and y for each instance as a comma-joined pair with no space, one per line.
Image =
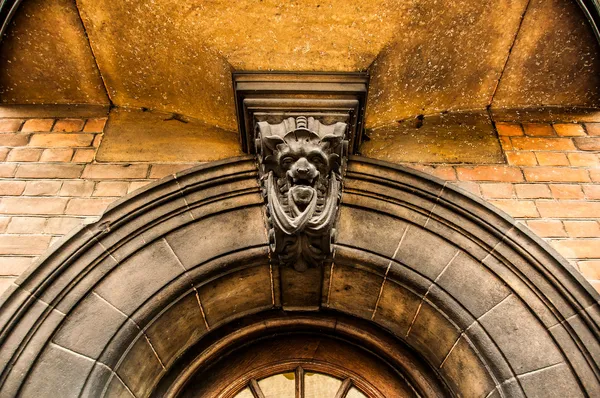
301,163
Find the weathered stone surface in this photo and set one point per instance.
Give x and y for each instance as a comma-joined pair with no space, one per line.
554,382
353,290
443,61
382,231
212,237
151,55
140,367
46,58
59,371
90,327
177,328
128,287
473,285
464,369
432,334
555,60
396,308
137,136
245,291
448,138
525,342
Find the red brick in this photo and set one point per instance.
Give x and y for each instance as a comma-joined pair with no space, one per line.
555,174
538,129
505,143
521,158
517,208
593,128
582,229
24,154
49,170
42,188
26,225
587,143
3,153
88,207
24,244
111,188
595,285
595,175
569,129
578,248
97,140
508,129
115,171
444,172
32,205
4,223
12,139
6,282
497,190
84,155
590,269
62,225
568,209
469,186
10,125
12,188
61,140
532,191
566,191
15,265
57,155
552,159
490,173
95,125
547,228
591,191
77,188
34,125
134,186
7,169
542,144
579,159
163,170
68,125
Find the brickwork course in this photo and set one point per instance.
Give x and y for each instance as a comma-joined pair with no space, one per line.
50,183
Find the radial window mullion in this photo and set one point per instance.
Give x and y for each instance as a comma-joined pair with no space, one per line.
255,388
344,388
299,382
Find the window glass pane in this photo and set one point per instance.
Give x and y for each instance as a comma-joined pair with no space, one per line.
245,393
318,385
354,393
279,386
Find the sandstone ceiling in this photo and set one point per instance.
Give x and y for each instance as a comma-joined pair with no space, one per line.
424,56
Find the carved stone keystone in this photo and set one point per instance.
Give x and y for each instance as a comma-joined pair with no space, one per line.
301,163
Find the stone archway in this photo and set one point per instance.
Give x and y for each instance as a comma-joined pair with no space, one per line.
486,305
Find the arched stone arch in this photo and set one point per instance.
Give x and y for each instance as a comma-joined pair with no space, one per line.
487,305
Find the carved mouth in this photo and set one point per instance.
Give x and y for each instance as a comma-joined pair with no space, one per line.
307,182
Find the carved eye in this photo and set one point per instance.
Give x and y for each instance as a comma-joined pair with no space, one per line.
316,160
287,161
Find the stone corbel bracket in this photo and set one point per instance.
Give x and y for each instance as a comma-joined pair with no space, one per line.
301,162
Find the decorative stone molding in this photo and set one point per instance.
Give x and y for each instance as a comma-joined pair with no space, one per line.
301,163
120,304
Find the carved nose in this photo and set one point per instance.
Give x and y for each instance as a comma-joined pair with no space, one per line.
302,170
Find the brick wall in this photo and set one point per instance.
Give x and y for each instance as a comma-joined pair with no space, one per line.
51,183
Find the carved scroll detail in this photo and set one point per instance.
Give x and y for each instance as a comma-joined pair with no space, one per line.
301,163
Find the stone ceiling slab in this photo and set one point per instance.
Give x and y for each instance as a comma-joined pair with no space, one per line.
450,138
448,57
151,55
555,60
45,58
137,136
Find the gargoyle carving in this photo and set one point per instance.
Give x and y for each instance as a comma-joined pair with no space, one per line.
301,167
